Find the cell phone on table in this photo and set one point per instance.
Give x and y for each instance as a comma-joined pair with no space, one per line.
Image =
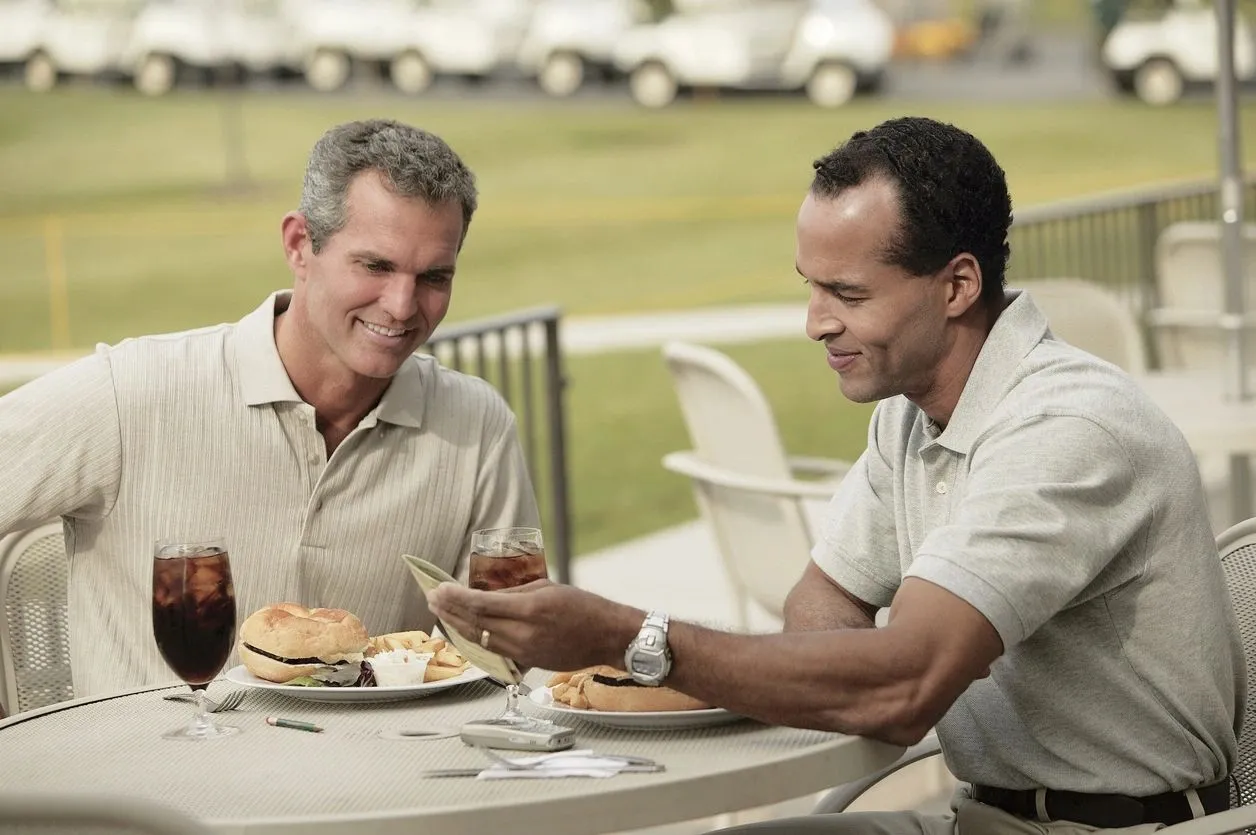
548,737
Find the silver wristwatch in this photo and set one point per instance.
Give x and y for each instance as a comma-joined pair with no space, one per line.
648,659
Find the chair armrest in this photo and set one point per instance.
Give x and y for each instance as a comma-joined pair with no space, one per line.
833,468
686,463
839,798
1235,820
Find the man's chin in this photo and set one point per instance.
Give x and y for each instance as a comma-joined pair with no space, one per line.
856,393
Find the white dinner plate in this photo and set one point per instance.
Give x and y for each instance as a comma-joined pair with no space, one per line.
641,720
241,675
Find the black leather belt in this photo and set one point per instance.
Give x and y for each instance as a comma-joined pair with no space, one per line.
1106,811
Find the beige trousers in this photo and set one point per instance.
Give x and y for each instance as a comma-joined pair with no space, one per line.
968,817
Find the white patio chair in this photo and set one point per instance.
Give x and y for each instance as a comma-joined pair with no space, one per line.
744,483
1190,280
95,814
1237,548
34,630
1088,316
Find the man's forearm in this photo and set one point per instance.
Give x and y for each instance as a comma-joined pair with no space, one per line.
860,684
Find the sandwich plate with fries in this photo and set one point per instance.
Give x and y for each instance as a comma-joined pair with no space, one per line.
325,655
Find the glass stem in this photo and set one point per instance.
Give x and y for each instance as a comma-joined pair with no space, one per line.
202,721
512,700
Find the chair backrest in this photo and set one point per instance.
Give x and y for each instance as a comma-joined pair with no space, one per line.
34,622
763,540
93,815
1238,559
1190,275
1084,314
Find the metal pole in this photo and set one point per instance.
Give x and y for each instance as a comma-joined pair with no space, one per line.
555,382
1231,200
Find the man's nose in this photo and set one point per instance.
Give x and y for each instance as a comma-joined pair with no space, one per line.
822,319
400,298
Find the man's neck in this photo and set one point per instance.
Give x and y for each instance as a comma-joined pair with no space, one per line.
340,398
952,373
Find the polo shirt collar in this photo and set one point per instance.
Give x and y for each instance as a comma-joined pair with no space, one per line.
1019,328
263,378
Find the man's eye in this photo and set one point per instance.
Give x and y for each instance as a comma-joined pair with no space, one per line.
376,267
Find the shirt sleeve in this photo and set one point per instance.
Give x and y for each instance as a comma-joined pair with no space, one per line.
858,545
1046,508
60,445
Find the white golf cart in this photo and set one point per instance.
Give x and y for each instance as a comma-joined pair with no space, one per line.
829,48
413,41
55,38
249,36
569,40
1156,55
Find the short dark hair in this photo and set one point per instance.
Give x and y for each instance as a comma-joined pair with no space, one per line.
952,194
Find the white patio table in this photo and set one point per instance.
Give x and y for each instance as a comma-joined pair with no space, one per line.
354,777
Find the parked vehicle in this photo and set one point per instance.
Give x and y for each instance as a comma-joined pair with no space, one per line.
829,48
411,41
567,41
21,26
1156,57
54,38
172,36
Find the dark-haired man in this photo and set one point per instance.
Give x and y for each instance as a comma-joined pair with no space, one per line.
1034,524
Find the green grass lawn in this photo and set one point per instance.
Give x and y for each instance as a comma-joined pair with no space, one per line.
595,206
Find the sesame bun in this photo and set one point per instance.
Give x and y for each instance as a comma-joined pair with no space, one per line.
286,640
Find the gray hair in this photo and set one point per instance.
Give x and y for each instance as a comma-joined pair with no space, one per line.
413,162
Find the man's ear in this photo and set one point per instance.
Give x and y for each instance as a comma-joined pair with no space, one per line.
296,242
965,281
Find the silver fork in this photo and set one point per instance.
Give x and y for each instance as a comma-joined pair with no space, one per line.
231,702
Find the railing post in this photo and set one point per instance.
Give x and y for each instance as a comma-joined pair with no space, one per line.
555,383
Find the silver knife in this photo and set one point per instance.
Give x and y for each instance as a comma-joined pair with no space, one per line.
472,772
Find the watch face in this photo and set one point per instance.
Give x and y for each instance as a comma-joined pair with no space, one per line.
647,665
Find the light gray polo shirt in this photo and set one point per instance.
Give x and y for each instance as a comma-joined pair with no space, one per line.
200,433
1067,509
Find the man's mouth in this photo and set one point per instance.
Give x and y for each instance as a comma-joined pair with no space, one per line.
383,331
841,360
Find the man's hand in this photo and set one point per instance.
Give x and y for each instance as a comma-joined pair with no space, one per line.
541,624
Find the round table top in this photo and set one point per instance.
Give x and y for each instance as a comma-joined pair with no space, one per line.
283,780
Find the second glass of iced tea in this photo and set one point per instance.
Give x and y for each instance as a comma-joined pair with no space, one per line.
502,558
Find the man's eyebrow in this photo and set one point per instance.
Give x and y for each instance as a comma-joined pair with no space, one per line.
375,258
372,257
834,286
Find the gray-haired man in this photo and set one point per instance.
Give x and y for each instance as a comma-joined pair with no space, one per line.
308,434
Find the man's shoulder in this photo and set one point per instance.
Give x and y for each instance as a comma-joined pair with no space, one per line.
204,342
1058,380
455,392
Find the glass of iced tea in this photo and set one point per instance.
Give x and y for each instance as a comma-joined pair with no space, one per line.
194,620
502,558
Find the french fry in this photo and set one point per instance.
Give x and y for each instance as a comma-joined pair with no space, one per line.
436,672
449,657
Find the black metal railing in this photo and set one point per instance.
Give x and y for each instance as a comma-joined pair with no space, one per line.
519,355
1111,240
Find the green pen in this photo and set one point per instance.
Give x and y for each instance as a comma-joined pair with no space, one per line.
293,723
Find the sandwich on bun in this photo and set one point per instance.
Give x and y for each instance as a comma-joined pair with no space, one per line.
606,688
286,641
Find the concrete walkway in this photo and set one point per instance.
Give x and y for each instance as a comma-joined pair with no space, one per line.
577,334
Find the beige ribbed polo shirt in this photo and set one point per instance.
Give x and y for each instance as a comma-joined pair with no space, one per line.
201,433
